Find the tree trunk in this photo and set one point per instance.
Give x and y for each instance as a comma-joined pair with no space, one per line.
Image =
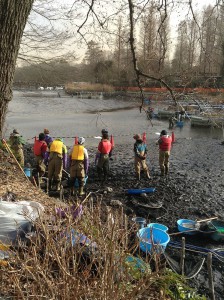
13,17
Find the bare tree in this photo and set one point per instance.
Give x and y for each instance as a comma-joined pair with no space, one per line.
13,18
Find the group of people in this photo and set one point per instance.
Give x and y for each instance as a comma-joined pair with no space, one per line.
52,154
140,151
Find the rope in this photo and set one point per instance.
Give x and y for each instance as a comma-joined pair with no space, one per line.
218,254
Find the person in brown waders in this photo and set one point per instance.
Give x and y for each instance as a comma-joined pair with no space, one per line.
39,150
79,165
16,143
103,156
56,157
140,151
165,143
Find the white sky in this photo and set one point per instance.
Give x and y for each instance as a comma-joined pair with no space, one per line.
179,12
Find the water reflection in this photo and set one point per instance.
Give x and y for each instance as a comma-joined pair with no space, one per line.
68,117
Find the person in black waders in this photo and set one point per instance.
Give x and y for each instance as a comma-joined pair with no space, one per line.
103,155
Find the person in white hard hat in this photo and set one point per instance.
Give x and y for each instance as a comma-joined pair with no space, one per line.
79,165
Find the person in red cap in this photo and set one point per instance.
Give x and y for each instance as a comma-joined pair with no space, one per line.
140,150
165,143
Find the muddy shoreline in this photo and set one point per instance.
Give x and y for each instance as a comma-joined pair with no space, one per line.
193,190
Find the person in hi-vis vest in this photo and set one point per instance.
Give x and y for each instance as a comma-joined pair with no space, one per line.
56,157
79,163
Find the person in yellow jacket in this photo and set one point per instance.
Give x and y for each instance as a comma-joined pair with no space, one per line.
79,165
56,157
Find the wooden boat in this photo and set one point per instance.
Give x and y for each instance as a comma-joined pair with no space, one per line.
207,121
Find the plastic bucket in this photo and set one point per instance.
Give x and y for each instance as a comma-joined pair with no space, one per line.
158,226
77,182
28,172
153,239
140,221
184,228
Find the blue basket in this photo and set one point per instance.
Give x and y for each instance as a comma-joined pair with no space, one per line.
140,191
185,228
140,221
28,172
77,182
153,239
158,226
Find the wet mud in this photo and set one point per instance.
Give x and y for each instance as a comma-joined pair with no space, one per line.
192,190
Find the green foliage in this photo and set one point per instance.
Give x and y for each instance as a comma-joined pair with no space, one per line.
175,286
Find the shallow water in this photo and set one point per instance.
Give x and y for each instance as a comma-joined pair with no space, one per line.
68,117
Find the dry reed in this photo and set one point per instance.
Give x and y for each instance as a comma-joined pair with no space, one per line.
51,266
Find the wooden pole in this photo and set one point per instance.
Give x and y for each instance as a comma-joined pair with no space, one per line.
10,152
210,276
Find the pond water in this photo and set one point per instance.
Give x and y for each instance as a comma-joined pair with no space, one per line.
67,117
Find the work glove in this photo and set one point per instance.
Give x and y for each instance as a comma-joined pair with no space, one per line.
143,157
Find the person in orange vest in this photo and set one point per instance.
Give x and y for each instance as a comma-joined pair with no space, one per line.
103,154
165,143
140,150
79,163
56,157
39,150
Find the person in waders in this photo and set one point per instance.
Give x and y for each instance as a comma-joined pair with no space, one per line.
165,143
172,121
79,163
16,143
103,156
48,139
56,158
140,151
39,150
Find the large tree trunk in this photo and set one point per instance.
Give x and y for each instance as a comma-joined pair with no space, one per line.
13,17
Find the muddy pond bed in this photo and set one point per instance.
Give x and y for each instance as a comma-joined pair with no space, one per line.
193,190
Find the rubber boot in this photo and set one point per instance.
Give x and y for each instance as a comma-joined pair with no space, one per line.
50,185
147,175
166,170
72,191
58,186
81,191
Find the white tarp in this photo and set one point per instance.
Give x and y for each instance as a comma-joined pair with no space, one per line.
16,219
